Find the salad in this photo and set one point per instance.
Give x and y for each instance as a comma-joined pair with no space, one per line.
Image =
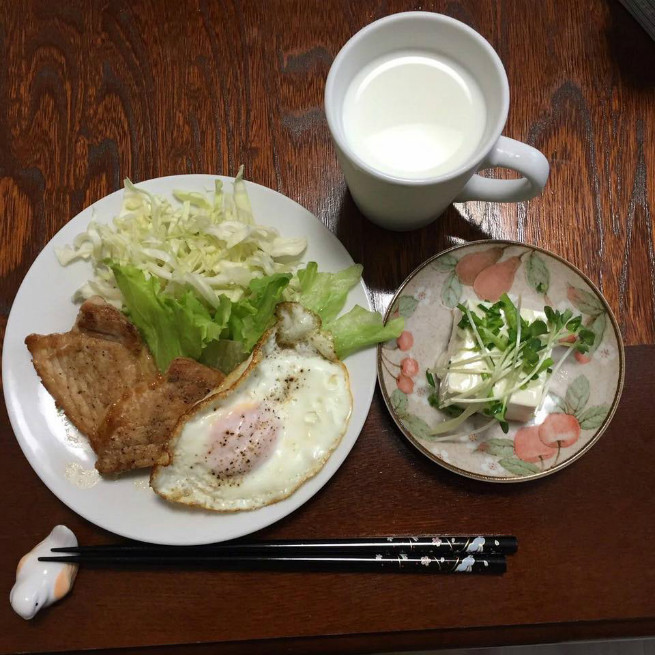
201,279
502,352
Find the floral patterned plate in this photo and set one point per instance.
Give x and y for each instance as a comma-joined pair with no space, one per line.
581,398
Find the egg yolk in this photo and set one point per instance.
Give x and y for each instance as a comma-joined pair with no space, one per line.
242,439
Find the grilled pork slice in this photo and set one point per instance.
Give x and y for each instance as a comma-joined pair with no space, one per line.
136,429
89,368
100,319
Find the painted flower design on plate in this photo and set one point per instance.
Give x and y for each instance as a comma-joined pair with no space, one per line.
582,395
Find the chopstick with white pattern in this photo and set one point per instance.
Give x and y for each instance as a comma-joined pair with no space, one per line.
427,554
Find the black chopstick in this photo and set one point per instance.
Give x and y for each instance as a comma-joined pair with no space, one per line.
425,554
389,546
464,563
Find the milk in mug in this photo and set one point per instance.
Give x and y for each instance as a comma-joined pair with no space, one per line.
414,115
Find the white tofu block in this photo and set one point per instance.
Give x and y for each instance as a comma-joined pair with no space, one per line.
522,404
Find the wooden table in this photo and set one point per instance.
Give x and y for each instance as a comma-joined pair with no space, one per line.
92,92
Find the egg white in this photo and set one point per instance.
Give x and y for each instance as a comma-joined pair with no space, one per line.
297,389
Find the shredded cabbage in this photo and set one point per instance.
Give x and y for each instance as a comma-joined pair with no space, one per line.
207,242
201,279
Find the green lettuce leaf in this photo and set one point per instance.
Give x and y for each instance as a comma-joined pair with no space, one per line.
360,328
223,354
196,326
253,314
325,293
171,327
223,336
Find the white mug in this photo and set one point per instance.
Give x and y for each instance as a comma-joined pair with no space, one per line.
397,202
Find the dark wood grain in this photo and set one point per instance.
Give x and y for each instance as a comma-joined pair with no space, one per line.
95,91
582,567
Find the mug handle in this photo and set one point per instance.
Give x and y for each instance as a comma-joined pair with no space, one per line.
518,156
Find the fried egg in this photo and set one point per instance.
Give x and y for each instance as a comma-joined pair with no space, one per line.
270,427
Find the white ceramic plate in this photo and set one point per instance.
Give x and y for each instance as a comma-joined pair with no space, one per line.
127,506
